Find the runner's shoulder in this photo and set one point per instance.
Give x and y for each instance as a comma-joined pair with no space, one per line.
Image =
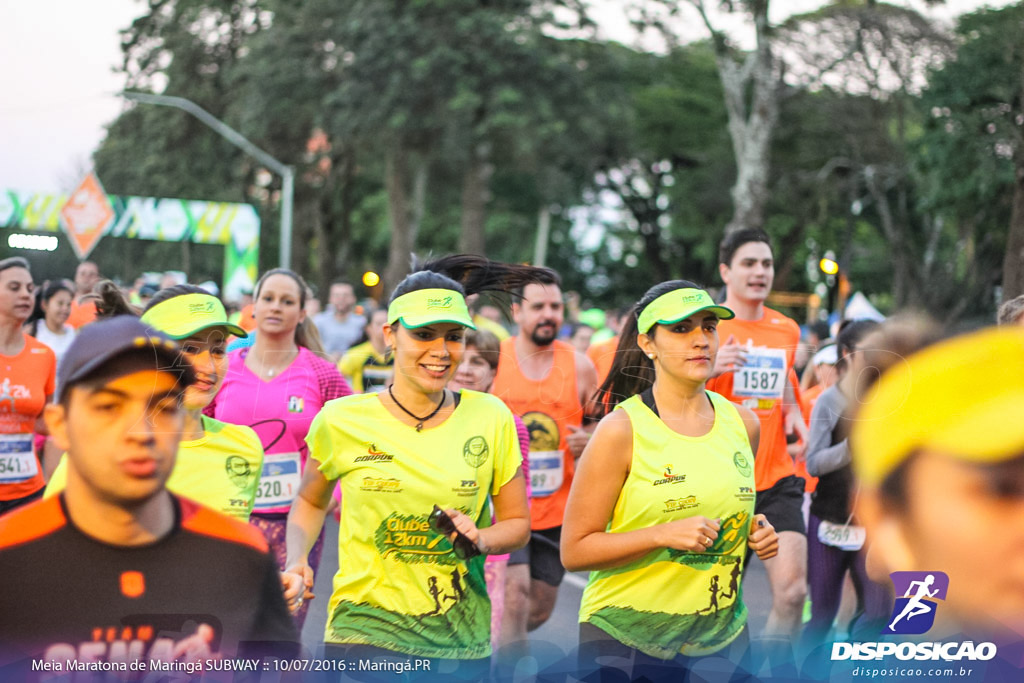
774,318
38,348
203,521
31,523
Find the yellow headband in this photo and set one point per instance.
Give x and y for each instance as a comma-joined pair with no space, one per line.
677,305
428,306
963,398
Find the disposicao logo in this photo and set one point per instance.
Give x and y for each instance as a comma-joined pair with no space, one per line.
914,612
917,599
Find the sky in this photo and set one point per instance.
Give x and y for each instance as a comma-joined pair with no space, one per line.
58,86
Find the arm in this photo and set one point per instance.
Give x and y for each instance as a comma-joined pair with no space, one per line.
595,489
586,385
731,355
305,520
794,419
822,455
753,426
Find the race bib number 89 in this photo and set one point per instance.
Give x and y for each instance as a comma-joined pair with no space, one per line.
763,376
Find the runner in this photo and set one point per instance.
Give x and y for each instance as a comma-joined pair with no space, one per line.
476,373
662,508
83,308
753,369
218,464
277,386
548,383
116,569
835,543
340,326
940,456
48,322
27,374
411,580
366,366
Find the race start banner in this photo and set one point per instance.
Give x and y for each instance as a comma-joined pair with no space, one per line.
85,217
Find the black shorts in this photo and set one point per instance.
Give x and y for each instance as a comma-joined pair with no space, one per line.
783,503
542,554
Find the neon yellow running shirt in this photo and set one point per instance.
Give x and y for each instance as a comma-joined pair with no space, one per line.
399,586
678,602
220,470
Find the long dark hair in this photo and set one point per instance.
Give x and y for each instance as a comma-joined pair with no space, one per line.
470,274
43,295
632,371
850,334
111,301
306,334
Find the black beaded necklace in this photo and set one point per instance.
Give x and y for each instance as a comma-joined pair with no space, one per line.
420,420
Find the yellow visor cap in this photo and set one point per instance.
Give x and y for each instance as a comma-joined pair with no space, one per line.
963,398
429,306
183,316
677,305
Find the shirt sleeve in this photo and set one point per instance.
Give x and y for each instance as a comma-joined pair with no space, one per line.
332,384
320,442
51,375
822,455
508,455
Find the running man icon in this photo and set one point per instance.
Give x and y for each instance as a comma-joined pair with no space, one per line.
919,591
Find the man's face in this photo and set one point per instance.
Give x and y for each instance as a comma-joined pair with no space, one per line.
342,298
750,275
540,313
966,520
86,275
121,435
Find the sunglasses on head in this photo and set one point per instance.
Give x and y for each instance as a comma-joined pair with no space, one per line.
441,523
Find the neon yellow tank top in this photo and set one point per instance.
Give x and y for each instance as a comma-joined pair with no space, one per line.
399,586
678,602
220,470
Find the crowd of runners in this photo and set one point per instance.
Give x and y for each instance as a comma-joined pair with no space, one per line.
167,468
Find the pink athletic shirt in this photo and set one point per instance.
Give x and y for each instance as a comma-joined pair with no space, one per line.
280,410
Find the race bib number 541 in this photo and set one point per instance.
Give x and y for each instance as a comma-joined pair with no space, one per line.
763,376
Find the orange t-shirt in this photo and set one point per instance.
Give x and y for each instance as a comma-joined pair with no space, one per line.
82,314
26,380
602,355
548,408
760,386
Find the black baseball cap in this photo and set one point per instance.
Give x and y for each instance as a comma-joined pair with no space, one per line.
101,342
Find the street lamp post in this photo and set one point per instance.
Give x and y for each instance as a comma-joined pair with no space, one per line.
286,172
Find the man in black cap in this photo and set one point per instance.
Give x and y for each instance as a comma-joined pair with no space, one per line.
118,570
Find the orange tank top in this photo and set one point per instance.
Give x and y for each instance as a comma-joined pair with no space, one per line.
548,408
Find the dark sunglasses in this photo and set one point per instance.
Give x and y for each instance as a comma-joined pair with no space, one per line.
441,523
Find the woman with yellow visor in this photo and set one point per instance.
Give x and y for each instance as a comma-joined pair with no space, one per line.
661,509
418,465
218,464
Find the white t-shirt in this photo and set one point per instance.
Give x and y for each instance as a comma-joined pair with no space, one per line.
58,342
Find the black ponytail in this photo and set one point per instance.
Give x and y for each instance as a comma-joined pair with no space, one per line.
470,274
632,371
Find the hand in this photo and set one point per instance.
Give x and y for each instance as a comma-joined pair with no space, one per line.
297,585
763,539
695,534
731,355
577,440
196,647
794,423
466,527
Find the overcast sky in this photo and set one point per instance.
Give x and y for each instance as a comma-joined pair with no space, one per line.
57,85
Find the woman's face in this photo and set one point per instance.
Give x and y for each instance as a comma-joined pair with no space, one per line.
16,290
278,307
473,373
966,520
686,349
58,308
426,356
207,351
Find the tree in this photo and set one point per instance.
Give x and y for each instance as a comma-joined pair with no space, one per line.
974,149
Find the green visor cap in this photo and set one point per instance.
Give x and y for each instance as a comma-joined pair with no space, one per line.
429,306
677,305
189,314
